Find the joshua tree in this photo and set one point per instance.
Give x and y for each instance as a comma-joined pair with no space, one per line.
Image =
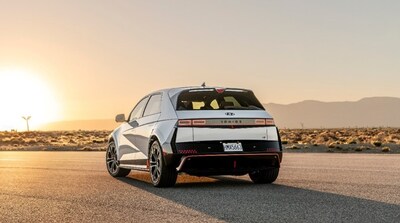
27,121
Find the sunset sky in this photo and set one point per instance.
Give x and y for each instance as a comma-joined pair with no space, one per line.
73,60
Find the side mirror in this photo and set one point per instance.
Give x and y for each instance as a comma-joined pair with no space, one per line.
120,118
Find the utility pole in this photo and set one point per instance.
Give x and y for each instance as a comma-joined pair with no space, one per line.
26,118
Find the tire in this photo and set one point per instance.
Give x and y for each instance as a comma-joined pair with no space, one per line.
264,176
161,175
112,162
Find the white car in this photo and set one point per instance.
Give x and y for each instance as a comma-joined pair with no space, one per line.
200,131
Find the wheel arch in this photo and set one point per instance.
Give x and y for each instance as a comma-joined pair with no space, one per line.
152,139
113,138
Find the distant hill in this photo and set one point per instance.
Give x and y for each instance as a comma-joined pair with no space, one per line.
367,112
100,124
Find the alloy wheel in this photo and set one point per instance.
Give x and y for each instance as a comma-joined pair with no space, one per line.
111,159
155,162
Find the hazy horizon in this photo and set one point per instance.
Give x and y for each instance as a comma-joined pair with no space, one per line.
309,114
93,59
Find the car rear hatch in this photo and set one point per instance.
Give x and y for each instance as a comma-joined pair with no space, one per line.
223,121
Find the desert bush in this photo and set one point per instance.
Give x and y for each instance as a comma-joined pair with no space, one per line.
98,140
284,142
31,141
359,149
293,147
352,141
87,148
332,145
385,149
377,143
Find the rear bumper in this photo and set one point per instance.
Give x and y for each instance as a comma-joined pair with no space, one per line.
228,164
208,147
224,163
204,158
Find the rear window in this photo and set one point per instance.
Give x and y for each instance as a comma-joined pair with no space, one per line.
217,99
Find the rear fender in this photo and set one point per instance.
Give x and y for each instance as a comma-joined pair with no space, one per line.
164,132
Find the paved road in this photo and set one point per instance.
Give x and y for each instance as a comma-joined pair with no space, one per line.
74,186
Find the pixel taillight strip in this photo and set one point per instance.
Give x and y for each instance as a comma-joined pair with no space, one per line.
225,122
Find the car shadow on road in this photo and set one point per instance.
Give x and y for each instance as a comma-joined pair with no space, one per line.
236,200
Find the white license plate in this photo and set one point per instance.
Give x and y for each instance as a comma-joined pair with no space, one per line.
233,147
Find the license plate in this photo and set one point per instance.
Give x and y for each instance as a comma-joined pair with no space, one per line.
233,147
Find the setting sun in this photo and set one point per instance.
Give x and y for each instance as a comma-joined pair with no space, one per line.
23,93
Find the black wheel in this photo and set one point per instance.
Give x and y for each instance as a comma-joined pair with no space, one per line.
113,164
161,174
264,176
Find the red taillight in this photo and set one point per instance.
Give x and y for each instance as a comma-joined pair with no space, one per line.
198,122
188,122
259,121
268,121
185,123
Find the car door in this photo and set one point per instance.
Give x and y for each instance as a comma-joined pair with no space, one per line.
146,125
128,148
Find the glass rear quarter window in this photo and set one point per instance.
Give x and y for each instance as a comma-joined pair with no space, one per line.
154,105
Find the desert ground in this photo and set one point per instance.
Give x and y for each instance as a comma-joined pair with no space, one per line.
311,187
351,140
366,140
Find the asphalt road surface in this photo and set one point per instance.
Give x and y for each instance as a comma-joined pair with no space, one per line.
75,187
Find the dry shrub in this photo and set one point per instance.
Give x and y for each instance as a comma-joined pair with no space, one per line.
98,141
359,149
87,148
332,145
377,143
293,147
352,141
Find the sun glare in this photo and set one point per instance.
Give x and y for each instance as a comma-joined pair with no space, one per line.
23,94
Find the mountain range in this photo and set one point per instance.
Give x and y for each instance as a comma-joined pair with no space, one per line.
367,112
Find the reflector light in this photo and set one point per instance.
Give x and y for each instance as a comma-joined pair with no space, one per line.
187,151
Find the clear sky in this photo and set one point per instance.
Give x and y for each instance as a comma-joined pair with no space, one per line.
97,58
